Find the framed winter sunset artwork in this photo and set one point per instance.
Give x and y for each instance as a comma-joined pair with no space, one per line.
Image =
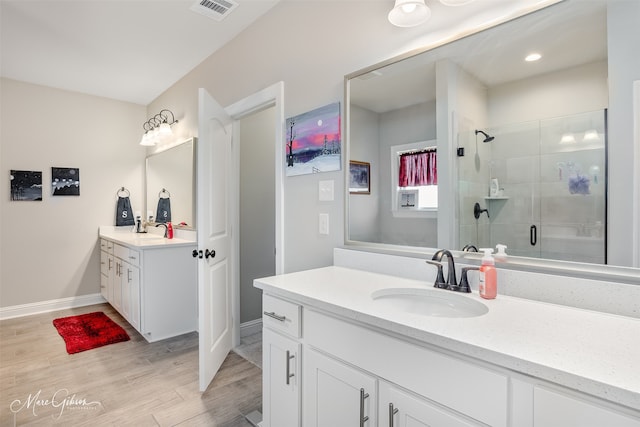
313,141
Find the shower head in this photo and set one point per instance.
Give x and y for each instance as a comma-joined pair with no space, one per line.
487,138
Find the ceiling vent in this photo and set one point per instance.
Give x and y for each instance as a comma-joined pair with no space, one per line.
215,9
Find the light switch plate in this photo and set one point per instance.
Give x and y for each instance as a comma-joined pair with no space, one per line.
325,191
323,223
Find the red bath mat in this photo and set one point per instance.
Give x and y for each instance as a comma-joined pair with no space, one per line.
88,331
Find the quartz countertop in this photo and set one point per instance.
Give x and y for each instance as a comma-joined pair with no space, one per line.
588,351
124,236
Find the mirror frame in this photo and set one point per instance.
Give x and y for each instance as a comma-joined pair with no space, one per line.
611,273
194,142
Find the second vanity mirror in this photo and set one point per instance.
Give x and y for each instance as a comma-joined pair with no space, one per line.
170,183
535,129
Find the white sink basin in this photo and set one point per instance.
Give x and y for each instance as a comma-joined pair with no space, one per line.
429,302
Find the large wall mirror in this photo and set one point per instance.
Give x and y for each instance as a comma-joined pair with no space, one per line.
522,146
170,182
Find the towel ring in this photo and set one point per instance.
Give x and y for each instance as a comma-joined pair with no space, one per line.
163,191
123,190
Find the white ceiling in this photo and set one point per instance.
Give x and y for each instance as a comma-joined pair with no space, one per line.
133,50
130,50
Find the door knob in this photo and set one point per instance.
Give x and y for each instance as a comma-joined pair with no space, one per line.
196,253
209,254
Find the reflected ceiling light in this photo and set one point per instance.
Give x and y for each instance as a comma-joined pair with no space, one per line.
568,138
409,13
533,57
157,128
455,2
591,135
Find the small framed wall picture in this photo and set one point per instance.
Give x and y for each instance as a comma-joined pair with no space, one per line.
359,177
65,181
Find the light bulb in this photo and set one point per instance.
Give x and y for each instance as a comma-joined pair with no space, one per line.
409,7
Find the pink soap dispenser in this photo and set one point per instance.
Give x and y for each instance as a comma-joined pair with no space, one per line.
488,287
169,230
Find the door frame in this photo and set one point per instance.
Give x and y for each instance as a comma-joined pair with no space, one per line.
272,96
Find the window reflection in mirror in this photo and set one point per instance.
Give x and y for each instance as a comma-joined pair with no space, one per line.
170,174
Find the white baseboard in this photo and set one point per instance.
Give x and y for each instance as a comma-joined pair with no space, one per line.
251,327
48,306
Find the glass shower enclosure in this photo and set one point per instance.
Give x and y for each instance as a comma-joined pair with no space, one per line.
549,196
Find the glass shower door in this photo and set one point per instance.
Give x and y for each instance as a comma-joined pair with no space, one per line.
572,192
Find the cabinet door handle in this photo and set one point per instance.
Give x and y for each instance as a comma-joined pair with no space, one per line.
128,275
363,418
110,262
273,315
392,412
289,374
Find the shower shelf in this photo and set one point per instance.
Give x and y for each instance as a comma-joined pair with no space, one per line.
496,198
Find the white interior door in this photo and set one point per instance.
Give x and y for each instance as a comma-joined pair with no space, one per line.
214,154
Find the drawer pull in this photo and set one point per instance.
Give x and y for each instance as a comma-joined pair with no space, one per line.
363,418
273,315
289,374
392,412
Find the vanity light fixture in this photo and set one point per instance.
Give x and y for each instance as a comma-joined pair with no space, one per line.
157,128
409,13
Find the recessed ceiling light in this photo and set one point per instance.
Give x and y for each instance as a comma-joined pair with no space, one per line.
532,57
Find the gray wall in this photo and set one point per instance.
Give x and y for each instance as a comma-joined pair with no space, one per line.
49,249
288,44
257,209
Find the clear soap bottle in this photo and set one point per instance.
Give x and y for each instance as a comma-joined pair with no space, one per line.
488,286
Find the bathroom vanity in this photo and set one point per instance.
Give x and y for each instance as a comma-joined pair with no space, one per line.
343,346
150,280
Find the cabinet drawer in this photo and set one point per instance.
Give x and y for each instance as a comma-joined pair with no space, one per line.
134,258
128,255
105,263
280,315
107,246
470,389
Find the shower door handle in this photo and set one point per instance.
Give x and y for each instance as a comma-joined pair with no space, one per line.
533,235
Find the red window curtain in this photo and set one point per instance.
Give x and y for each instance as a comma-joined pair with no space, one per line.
418,169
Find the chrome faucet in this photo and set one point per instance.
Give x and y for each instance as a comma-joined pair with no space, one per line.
165,228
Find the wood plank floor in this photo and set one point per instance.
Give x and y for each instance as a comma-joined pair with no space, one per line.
124,384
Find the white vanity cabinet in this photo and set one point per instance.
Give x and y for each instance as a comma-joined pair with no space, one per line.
107,269
540,404
423,384
367,365
152,285
336,394
400,408
281,363
127,284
